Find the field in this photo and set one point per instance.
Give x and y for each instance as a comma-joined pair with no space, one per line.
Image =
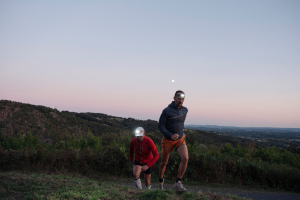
20,185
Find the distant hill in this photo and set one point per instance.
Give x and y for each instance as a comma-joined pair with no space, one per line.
266,136
235,128
20,118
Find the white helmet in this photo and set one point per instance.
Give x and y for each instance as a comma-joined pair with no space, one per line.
139,131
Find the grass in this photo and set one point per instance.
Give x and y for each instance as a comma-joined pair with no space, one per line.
20,185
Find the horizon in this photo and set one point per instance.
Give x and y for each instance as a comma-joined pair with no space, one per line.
242,126
157,120
237,62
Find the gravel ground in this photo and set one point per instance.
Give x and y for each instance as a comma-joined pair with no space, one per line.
251,194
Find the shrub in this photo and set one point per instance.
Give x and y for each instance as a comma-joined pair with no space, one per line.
109,153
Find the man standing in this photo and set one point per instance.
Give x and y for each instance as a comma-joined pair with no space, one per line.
145,156
171,124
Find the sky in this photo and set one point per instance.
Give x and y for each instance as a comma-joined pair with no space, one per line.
238,62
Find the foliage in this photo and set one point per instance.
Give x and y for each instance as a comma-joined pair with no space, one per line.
274,155
20,142
37,137
106,153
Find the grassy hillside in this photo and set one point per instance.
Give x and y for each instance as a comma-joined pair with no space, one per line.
51,125
41,138
19,118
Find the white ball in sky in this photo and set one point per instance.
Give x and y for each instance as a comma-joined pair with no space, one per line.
172,81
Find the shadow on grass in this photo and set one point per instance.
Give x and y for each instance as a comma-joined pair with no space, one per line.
154,194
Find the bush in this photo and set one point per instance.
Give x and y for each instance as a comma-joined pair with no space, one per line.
109,153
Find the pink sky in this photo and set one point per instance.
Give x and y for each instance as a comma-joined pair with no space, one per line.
238,62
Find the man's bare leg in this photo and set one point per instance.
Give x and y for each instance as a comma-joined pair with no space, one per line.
137,171
162,165
147,179
184,155
136,175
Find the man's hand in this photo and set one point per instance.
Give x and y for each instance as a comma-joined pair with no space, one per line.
174,136
144,168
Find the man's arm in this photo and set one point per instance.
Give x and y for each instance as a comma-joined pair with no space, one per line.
154,152
162,123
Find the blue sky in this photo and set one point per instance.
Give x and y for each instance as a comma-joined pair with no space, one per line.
237,61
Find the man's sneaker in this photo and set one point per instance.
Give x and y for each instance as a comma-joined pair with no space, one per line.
179,186
138,183
161,186
148,187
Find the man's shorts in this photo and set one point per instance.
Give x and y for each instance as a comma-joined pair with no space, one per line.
148,171
168,145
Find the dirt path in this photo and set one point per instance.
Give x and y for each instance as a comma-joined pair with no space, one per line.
255,195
